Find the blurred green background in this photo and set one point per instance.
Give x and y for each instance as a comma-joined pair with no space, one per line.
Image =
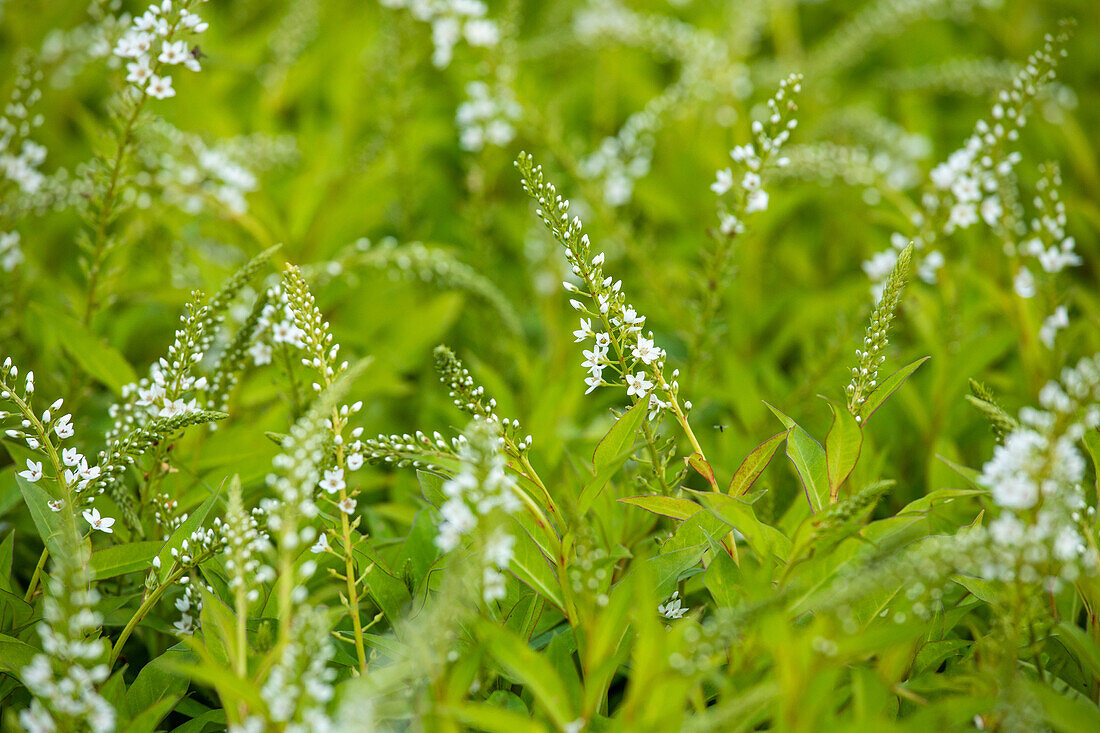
361,142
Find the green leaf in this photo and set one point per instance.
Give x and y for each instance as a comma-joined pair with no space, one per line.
594,487
765,540
1084,649
46,520
219,627
666,506
431,485
532,568
487,717
116,560
808,458
972,477
620,437
15,655
668,568
158,679
7,553
98,359
754,464
887,388
147,720
1064,713
531,669
842,446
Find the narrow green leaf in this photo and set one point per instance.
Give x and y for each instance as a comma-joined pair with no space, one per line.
620,437
116,560
808,458
887,388
46,520
531,669
765,540
842,447
594,487
486,717
532,568
668,568
666,506
754,464
15,654
98,359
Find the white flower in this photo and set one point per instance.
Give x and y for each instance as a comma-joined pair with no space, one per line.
594,359
631,319
723,183
160,87
321,545
71,456
584,332
751,181
333,482
103,524
347,506
674,609
645,351
260,353
1053,323
64,427
593,381
603,340
730,224
1024,283
355,461
991,210
637,384
33,472
173,53
138,71
55,505
756,201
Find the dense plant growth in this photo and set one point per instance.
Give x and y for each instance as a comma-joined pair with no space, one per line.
446,365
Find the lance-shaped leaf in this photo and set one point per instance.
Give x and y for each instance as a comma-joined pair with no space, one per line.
754,464
842,446
886,388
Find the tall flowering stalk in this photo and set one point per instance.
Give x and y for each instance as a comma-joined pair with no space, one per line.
320,354
622,354
158,40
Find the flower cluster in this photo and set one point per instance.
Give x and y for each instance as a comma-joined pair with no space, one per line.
154,44
246,542
976,182
63,679
451,21
21,157
473,495
487,117
45,434
674,608
469,396
865,373
622,353
751,159
187,171
624,158
299,685
1035,478
481,485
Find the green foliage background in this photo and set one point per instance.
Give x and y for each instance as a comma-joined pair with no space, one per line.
377,156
